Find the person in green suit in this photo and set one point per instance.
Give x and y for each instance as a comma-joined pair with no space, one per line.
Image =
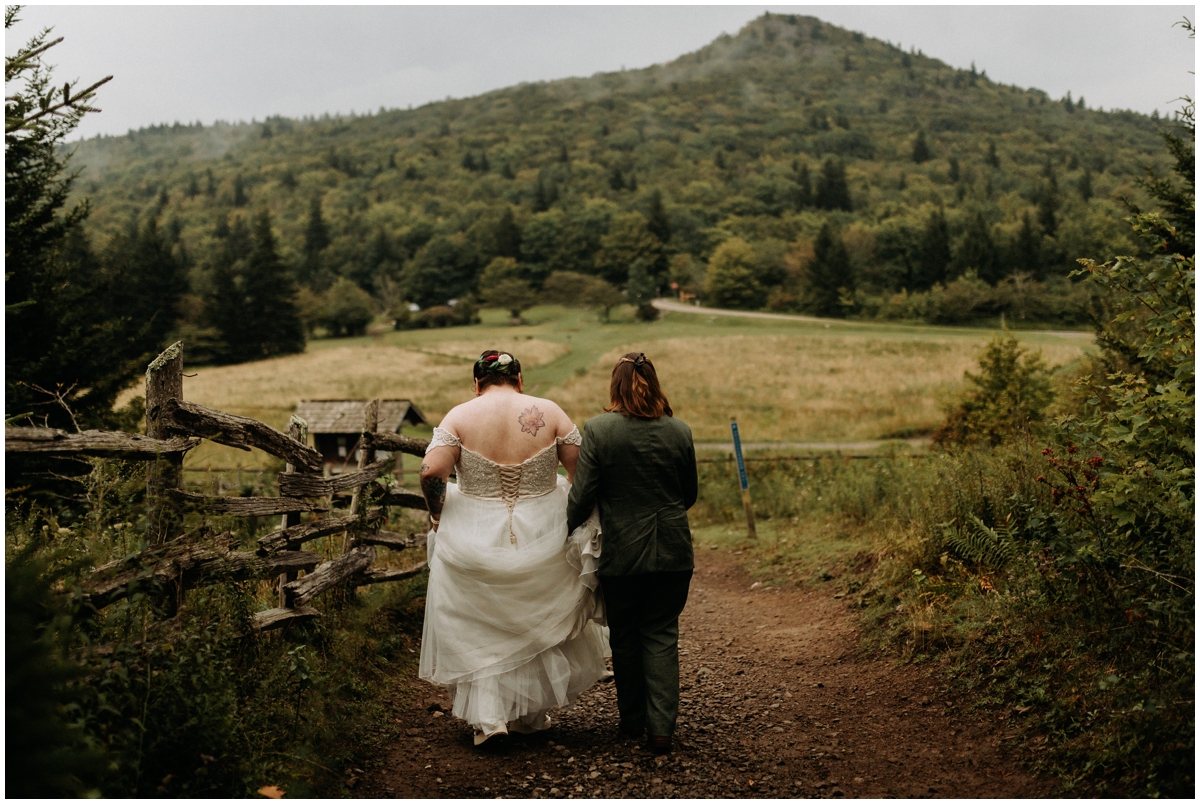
637,465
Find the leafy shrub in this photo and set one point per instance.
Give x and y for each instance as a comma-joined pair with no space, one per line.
348,309
1010,393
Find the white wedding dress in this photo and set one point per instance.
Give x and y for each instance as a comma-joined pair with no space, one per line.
512,613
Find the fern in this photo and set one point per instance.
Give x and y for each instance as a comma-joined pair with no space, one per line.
983,545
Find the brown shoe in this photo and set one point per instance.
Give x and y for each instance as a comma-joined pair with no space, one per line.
656,744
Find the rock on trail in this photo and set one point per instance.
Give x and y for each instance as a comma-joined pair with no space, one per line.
776,702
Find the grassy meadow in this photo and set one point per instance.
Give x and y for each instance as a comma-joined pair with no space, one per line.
786,381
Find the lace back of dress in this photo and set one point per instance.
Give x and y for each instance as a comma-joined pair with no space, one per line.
483,478
510,491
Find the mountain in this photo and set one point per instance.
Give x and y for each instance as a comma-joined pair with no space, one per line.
926,172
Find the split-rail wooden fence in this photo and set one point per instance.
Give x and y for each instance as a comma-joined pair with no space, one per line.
175,558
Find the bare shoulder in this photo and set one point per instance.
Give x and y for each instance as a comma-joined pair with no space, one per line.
456,416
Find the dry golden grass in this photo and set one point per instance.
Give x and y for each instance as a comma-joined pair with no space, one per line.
807,386
811,388
269,390
532,352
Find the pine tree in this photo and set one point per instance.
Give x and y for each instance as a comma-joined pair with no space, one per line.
224,302
239,192
508,236
1047,207
804,191
316,239
656,218
468,162
830,276
832,190
616,181
977,251
193,188
921,152
484,166
76,324
993,158
210,187
933,255
273,324
955,173
1085,185
1027,249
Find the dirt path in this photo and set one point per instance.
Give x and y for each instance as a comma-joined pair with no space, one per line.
776,702
671,306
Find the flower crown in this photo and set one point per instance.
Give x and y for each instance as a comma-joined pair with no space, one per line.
496,363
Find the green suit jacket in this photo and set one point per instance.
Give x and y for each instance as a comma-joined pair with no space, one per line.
641,473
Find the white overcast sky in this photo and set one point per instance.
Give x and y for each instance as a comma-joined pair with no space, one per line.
206,63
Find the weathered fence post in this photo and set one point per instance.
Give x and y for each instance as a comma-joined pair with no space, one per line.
298,431
164,381
366,455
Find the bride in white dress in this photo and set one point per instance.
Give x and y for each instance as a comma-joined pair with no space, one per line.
512,618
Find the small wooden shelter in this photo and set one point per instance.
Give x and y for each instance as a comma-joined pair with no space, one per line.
336,424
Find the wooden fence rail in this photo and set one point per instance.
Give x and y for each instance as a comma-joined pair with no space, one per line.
175,559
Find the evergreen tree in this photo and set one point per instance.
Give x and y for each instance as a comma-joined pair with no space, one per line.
832,190
252,299
1047,207
803,195
1027,249
1085,186
508,236
656,218
830,276
616,181
993,158
977,251
193,188
75,325
921,152
933,255
468,162
224,302
239,192
210,186
507,171
484,165
955,174
541,196
316,240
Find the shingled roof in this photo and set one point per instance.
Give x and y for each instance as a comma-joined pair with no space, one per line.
346,415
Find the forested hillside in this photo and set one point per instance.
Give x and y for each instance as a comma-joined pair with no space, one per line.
719,172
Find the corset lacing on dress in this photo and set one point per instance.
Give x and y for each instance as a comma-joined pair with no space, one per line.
485,479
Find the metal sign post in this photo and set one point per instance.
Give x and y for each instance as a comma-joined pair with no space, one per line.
745,481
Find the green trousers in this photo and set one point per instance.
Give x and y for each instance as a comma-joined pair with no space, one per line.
643,622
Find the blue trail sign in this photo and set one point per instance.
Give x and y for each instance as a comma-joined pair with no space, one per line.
743,479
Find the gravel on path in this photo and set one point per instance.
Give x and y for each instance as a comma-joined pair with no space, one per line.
778,700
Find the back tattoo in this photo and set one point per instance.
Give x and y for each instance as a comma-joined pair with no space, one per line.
531,420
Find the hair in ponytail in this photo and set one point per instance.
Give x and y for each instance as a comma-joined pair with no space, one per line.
634,390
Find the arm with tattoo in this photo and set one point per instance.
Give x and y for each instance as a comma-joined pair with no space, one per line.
434,489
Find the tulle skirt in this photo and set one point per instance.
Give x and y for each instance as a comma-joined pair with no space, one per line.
512,630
